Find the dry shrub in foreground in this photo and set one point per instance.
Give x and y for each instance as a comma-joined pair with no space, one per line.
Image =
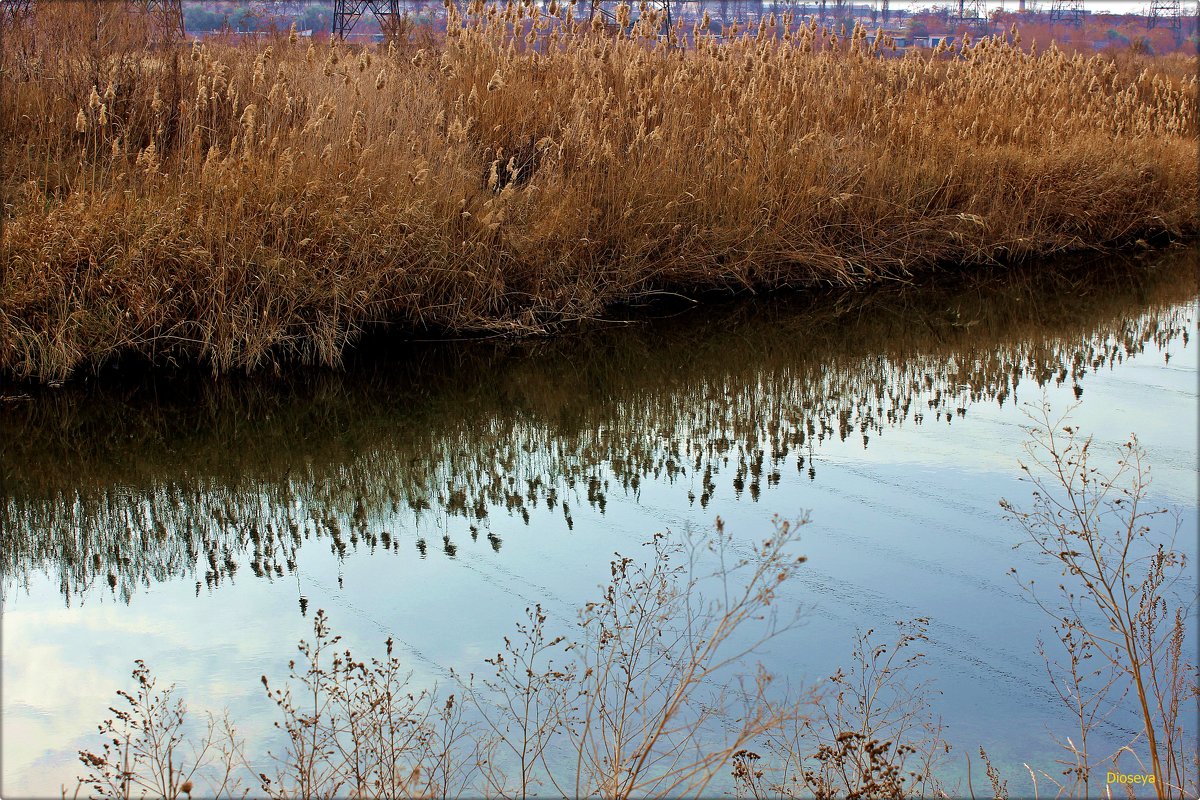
649,698
1120,612
874,733
243,204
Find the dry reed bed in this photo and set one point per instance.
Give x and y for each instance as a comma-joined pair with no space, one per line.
250,203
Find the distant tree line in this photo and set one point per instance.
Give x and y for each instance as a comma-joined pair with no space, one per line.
215,16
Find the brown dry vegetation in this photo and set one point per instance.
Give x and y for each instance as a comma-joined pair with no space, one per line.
242,204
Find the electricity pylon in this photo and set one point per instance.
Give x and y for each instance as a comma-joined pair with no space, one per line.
1067,11
965,11
1166,12
13,11
164,15
346,14
661,7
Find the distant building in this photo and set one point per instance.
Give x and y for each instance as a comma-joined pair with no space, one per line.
900,39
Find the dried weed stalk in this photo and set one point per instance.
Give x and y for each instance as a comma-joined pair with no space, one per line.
147,749
650,698
1118,612
873,735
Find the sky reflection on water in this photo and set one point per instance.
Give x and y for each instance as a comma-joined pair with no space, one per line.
432,495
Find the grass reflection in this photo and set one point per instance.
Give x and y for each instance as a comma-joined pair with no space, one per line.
133,482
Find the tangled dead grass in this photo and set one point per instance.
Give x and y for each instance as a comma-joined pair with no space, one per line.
251,203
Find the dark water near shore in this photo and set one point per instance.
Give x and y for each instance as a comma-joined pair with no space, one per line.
430,492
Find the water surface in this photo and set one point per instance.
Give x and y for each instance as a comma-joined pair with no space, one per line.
430,492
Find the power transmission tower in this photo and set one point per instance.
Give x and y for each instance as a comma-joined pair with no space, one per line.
13,11
663,8
1167,12
965,11
1067,11
166,16
347,12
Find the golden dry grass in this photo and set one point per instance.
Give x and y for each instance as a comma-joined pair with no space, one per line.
243,204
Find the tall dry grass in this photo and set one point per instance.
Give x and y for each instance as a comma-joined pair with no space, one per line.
248,203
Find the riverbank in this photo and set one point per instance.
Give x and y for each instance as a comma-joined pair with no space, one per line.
257,204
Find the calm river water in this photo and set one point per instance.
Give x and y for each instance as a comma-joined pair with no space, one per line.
431,494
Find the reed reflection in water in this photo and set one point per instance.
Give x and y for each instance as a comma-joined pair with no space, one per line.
137,485
452,484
